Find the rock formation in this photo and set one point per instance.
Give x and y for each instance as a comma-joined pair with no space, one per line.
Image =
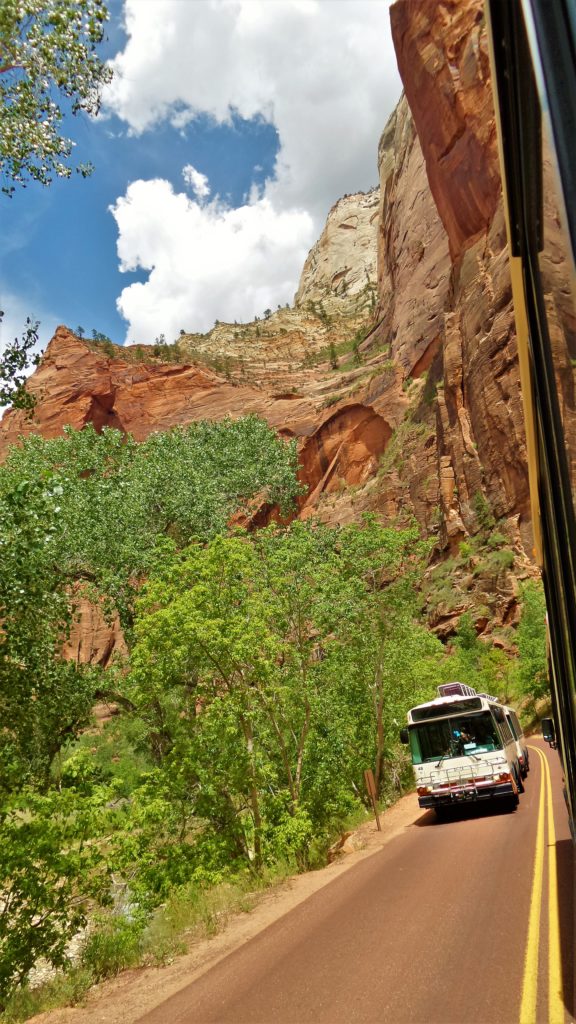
343,261
443,61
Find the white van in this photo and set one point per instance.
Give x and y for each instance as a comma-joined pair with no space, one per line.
463,750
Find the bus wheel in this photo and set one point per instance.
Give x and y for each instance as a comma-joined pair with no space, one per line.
512,802
518,778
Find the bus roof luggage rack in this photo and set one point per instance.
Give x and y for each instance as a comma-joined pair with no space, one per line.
487,696
456,690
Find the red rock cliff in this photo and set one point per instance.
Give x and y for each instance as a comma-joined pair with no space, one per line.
465,315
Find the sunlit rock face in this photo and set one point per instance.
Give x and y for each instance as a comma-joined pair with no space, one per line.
442,56
342,263
413,259
480,445
95,638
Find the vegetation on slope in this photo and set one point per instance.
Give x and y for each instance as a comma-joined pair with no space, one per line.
266,672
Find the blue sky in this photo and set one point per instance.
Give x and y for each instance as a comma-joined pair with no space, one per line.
279,105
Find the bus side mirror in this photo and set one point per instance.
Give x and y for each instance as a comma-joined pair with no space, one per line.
548,731
404,736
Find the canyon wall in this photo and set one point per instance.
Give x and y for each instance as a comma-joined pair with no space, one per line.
456,321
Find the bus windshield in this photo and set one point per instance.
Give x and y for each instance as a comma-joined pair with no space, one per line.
457,736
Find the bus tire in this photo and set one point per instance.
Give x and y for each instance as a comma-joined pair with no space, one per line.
512,802
518,779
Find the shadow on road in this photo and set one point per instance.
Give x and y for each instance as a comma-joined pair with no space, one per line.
461,812
565,868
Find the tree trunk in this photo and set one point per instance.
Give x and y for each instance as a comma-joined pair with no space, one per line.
254,802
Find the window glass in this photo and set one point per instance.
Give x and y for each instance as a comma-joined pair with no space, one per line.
517,727
512,725
559,289
458,736
503,723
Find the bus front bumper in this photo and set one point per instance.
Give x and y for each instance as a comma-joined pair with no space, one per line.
450,795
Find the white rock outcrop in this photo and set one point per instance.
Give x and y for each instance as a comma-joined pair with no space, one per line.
342,265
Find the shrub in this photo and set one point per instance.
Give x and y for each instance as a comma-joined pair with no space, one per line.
483,511
66,989
116,944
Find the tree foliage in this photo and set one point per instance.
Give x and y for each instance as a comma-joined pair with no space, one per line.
123,505
51,872
531,637
15,358
48,65
101,512
43,698
269,675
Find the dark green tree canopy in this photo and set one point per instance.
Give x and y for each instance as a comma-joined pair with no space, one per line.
48,61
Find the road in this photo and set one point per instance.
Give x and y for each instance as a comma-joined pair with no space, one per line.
470,920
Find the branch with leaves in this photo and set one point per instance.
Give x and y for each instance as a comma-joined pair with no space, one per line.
15,359
48,67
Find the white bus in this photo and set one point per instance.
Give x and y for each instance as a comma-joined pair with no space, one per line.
463,750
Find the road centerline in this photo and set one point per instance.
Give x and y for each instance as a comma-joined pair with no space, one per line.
555,987
531,957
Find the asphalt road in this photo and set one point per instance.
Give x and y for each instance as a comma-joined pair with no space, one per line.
449,923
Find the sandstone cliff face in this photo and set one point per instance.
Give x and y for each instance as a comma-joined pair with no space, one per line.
442,56
94,639
343,261
443,60
413,258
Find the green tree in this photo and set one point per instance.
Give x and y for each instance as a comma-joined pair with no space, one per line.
15,358
123,505
48,65
44,700
531,640
51,873
296,657
396,658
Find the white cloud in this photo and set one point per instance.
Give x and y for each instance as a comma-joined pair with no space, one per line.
323,72
206,261
198,182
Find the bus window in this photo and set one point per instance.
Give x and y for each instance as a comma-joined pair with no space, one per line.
518,730
430,742
503,723
512,725
454,737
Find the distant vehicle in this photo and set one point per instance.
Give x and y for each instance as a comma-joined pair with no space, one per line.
521,743
463,750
